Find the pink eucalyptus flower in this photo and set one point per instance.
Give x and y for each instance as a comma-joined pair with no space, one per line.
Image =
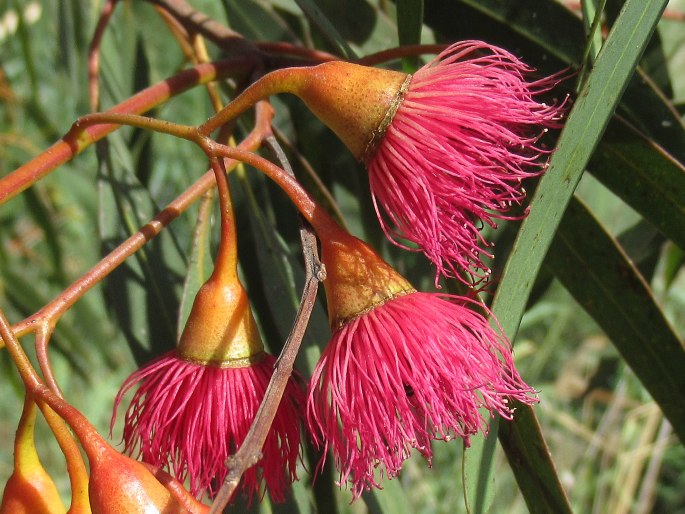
453,157
191,417
413,369
446,148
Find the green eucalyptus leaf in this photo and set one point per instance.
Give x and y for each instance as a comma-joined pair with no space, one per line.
522,439
143,292
200,261
644,176
255,20
409,21
318,18
605,282
409,25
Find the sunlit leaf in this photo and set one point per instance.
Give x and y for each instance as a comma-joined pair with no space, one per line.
583,129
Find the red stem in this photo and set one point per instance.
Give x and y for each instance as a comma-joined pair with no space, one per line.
400,52
60,152
226,266
76,290
92,442
94,54
324,225
284,48
286,80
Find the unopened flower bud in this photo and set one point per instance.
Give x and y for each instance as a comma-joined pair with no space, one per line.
29,490
121,485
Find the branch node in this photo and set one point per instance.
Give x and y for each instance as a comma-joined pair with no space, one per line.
319,271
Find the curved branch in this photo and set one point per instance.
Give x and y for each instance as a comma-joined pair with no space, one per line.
62,151
53,310
249,452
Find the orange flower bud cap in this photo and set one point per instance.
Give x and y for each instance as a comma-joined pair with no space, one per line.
221,330
357,278
356,102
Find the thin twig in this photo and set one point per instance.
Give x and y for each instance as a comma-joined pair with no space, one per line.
250,451
198,22
650,482
179,33
307,236
53,310
314,176
94,54
150,97
399,52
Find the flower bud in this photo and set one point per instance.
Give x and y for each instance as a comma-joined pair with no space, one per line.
121,485
178,492
118,484
29,490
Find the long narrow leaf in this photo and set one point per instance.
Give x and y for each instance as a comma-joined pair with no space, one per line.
319,19
601,277
615,65
409,25
409,21
644,176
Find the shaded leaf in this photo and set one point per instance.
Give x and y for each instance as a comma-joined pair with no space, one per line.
314,13
409,21
143,292
644,176
200,261
601,277
409,24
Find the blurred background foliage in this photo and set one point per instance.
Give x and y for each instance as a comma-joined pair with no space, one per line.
603,392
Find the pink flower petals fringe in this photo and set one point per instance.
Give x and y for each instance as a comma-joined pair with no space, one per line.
190,418
415,369
455,154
